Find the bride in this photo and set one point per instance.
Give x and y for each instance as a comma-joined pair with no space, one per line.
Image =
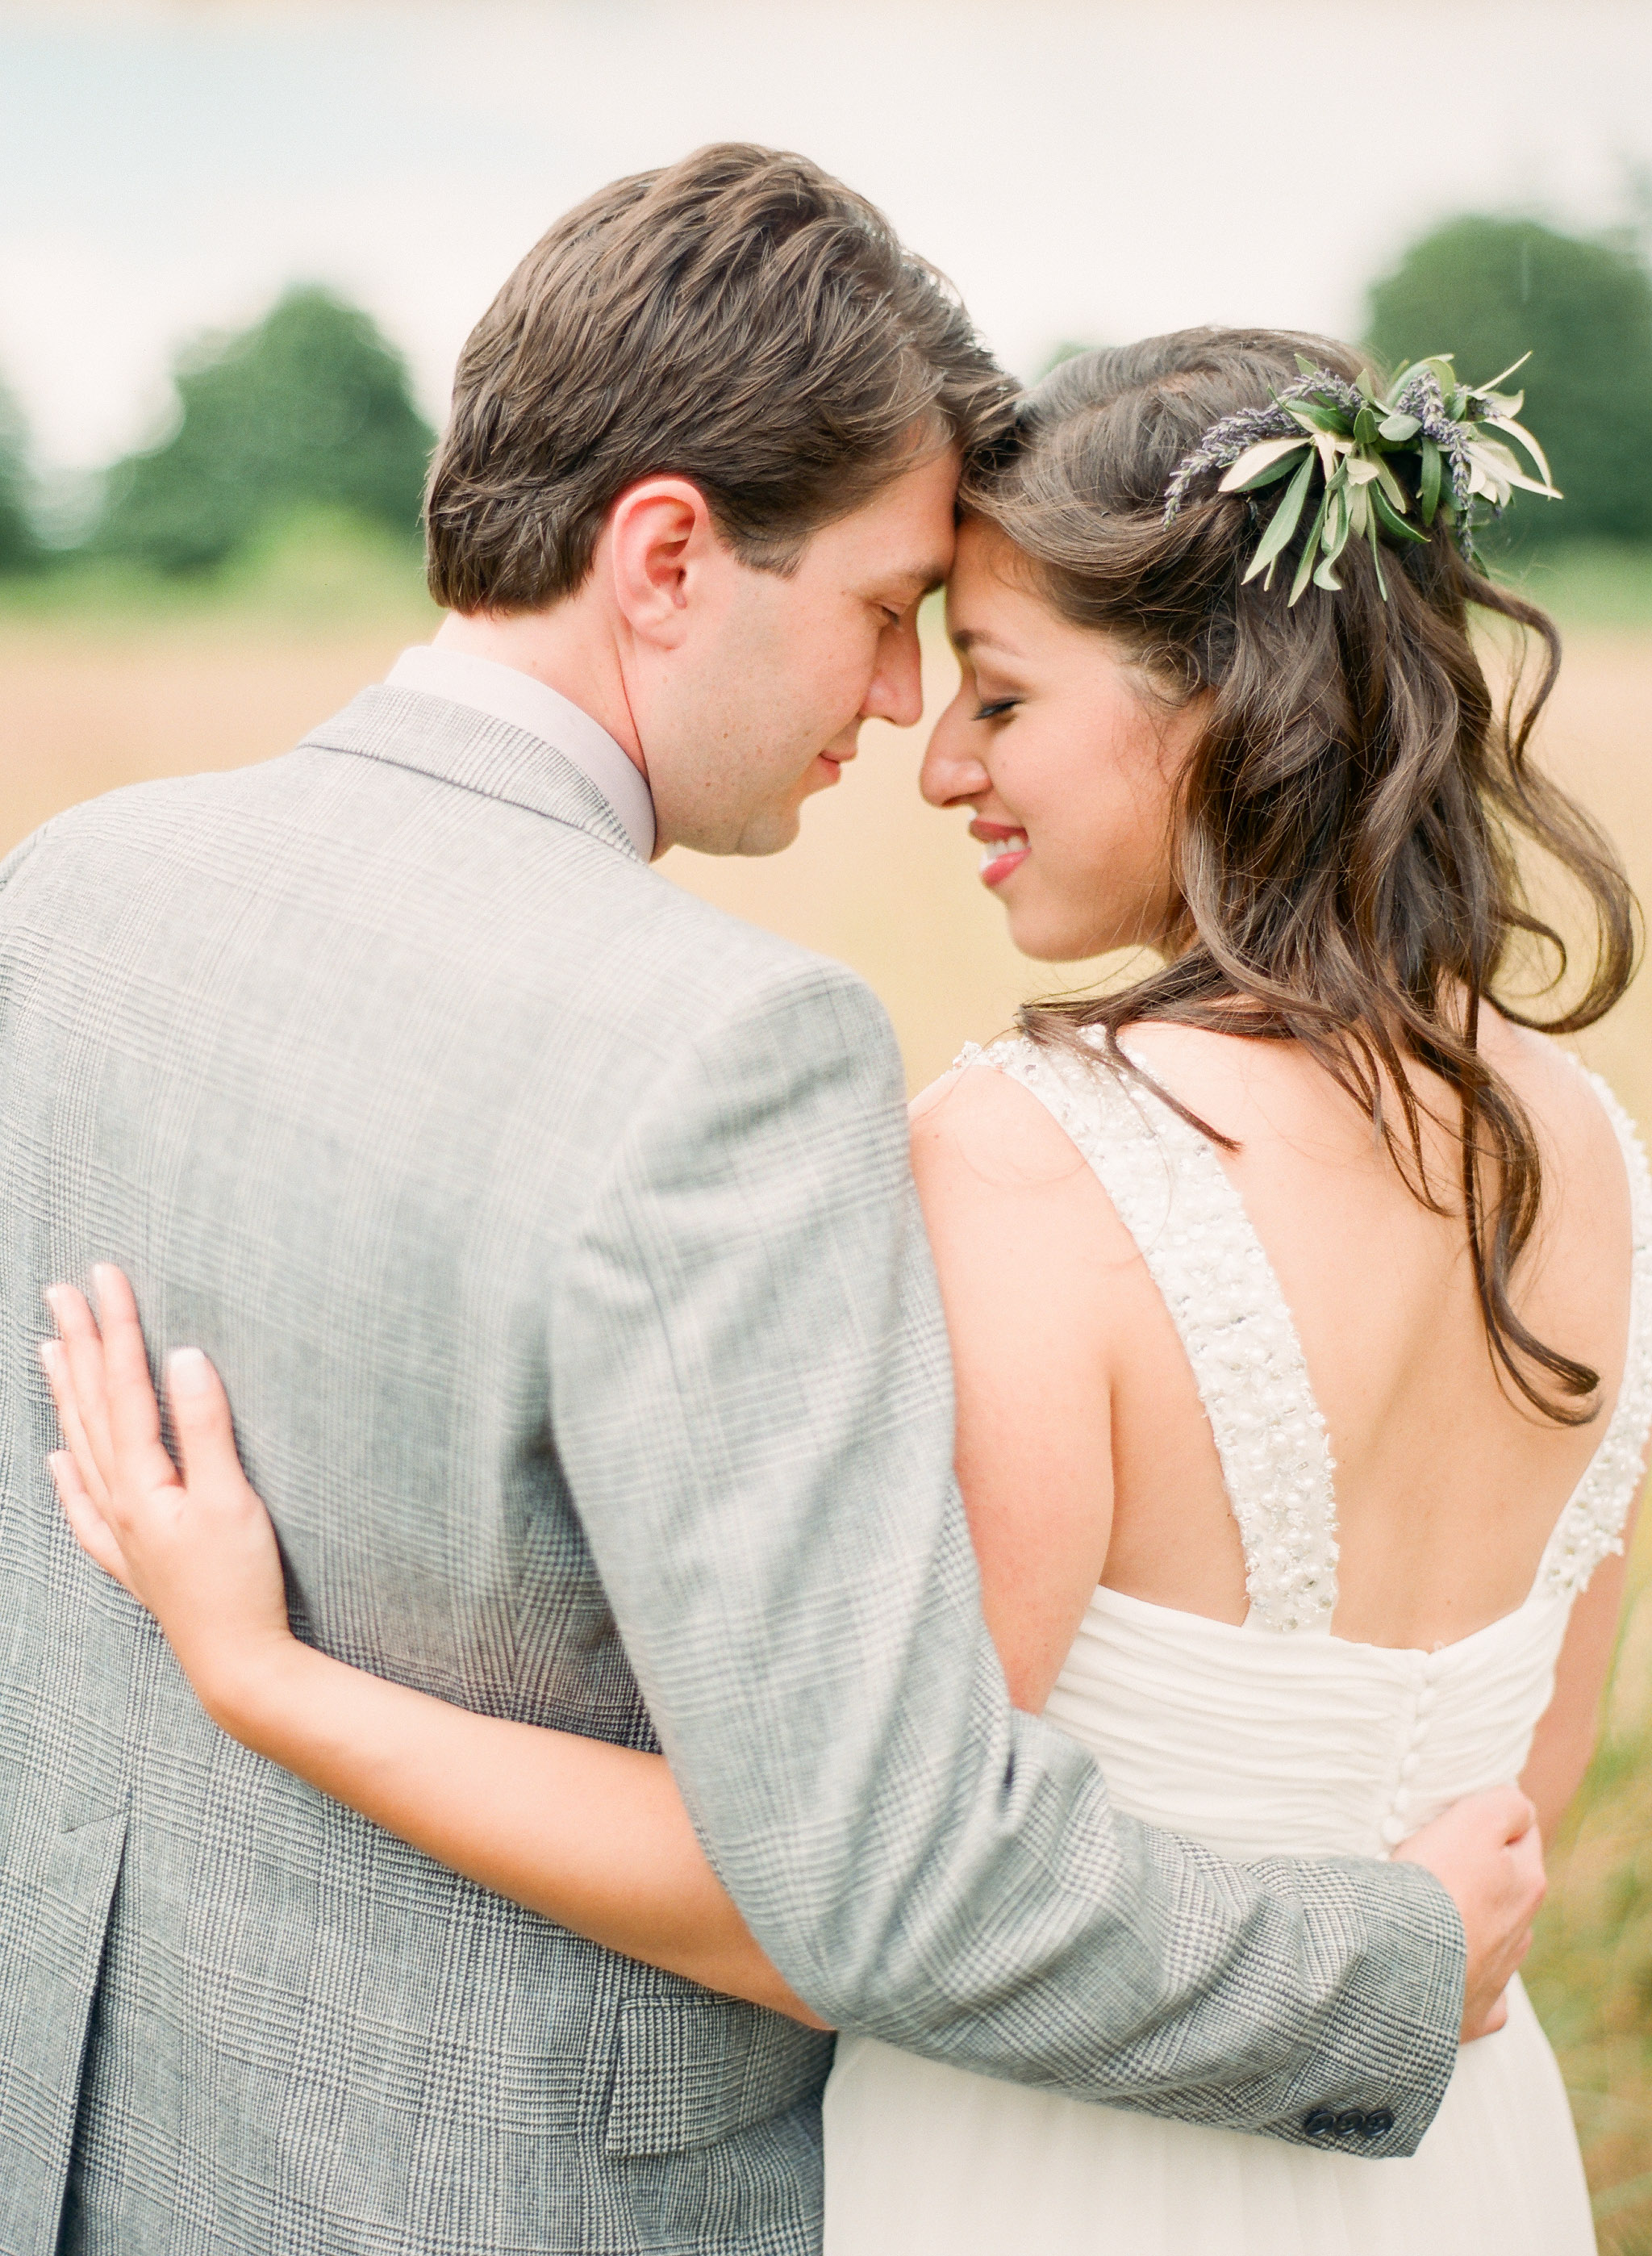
1300,1293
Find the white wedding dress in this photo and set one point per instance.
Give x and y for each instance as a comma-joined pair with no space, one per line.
1272,1738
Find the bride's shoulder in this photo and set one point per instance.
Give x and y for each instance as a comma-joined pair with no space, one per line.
1266,1088
1571,1109
1033,1110
986,1120
1012,1205
1537,1065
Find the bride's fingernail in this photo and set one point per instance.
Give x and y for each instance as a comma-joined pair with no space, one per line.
188,1371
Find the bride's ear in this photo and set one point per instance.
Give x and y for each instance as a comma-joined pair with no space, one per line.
661,548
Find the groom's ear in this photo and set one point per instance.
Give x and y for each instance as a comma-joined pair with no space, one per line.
661,543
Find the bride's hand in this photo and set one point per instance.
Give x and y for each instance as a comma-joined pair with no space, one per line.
193,1542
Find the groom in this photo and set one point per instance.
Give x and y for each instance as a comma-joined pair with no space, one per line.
554,1235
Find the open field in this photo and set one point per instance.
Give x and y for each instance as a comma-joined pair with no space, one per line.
112,692
112,688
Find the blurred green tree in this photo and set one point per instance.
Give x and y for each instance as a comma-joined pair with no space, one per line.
310,408
1488,289
19,547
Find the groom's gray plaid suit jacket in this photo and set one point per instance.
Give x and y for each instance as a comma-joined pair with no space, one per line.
554,1235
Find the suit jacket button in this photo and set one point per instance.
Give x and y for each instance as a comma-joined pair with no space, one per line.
1351,2123
1320,2124
1377,2122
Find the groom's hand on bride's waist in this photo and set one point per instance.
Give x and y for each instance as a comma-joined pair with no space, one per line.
1487,1853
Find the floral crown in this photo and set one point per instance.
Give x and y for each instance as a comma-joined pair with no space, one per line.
1354,442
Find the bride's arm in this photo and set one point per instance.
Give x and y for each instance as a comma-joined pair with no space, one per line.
594,1836
1026,1245
1564,1743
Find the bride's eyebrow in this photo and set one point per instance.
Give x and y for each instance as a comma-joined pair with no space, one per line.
968,638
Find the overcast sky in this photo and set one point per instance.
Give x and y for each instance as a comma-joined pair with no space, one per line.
1087,170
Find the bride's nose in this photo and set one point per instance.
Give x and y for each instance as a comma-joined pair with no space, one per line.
951,770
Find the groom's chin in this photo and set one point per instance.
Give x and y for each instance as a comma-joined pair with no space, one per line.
772,835
771,830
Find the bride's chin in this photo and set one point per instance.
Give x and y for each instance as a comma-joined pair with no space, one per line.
1052,932
1056,939
1050,947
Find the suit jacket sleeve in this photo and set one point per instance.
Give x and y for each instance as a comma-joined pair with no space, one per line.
750,1394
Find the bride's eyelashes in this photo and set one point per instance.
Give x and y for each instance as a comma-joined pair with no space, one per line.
997,707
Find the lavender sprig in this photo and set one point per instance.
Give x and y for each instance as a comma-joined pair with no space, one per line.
1224,443
1423,399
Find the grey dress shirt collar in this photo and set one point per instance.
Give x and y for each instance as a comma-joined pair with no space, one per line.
506,694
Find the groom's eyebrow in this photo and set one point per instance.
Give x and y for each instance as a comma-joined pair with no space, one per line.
923,581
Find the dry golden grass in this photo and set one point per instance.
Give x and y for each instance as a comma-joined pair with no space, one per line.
1590,1974
878,880
882,883
82,714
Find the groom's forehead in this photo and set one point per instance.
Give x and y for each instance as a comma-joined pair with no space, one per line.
907,529
905,576
921,575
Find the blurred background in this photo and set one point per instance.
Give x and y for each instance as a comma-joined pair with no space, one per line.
241,244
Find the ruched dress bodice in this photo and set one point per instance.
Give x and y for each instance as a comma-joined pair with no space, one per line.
1267,1738
1261,1746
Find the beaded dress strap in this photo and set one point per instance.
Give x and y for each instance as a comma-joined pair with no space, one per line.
1592,1526
1189,1225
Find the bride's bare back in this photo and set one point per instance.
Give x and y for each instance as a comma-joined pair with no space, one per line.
1084,1451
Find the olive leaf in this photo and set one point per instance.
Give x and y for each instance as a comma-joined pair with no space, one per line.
1258,465
1516,431
1376,548
1283,523
1392,524
1309,549
1313,416
1489,390
1390,488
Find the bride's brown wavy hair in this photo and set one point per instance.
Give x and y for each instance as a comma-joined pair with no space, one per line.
1351,824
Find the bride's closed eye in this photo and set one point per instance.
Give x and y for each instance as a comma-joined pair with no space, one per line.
997,707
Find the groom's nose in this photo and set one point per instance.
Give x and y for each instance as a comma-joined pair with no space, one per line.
897,690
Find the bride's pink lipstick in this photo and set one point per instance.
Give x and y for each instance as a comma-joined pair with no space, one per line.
1004,850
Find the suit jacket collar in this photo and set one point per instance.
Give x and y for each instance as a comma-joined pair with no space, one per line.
474,751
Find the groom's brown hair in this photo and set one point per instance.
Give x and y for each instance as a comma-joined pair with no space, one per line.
740,319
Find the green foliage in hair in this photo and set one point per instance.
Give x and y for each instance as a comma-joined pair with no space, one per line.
1380,467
